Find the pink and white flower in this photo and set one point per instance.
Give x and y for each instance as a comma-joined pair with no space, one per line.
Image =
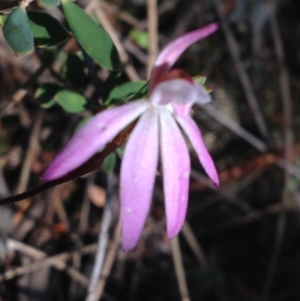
171,96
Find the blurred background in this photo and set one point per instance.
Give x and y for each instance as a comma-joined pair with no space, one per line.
240,241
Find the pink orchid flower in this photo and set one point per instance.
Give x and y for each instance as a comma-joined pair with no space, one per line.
171,97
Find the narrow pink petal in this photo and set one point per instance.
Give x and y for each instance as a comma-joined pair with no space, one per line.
92,136
192,131
137,177
176,172
172,51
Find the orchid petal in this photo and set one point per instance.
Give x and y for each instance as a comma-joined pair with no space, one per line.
92,136
172,51
176,171
192,131
137,177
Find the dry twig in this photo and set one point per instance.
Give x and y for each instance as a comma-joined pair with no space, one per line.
153,35
102,240
30,153
243,76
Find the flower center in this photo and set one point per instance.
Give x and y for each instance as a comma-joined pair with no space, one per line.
176,88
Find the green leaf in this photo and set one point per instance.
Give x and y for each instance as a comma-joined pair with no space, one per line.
48,3
109,163
200,79
114,79
91,36
126,92
46,93
140,37
47,31
3,19
17,31
70,101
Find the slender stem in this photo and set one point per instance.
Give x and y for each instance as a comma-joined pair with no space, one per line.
102,240
153,36
177,259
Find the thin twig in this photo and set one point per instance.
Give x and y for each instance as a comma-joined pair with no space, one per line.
83,223
243,76
111,255
194,244
58,261
97,9
135,51
251,139
288,144
123,15
16,245
58,206
235,128
30,153
153,36
22,91
224,194
177,259
102,240
38,255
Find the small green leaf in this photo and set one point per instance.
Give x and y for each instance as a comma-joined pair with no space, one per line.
47,31
200,79
3,19
70,101
17,31
126,92
140,37
48,3
45,94
91,36
109,163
